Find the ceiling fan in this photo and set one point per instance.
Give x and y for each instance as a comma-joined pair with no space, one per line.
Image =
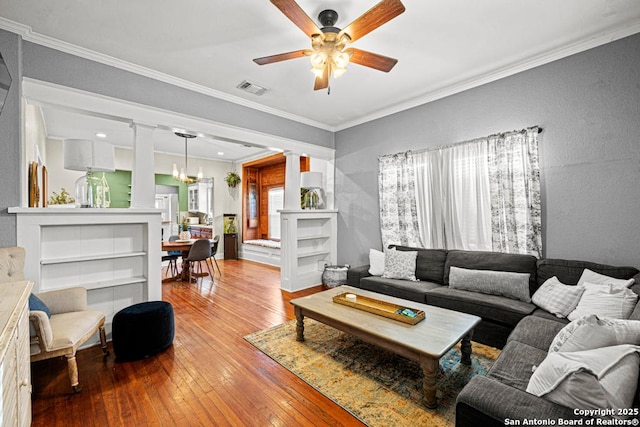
329,55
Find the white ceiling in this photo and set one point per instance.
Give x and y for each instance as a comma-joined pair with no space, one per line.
442,46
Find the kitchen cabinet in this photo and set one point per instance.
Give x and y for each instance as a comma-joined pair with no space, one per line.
201,231
200,197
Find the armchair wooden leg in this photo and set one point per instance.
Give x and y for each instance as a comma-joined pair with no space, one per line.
72,366
103,341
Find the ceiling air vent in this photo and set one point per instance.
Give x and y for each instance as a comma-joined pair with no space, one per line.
252,88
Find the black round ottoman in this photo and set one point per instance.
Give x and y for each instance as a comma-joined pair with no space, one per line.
142,330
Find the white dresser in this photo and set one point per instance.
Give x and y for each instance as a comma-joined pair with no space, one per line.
15,369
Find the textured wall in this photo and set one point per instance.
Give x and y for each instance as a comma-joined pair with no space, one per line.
589,106
10,131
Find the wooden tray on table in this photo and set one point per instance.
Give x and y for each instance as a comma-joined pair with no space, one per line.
381,308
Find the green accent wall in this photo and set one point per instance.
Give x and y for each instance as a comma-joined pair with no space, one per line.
120,188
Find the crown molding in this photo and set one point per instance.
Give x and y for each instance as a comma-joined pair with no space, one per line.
501,73
29,35
582,45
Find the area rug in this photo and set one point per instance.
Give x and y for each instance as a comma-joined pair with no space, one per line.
376,386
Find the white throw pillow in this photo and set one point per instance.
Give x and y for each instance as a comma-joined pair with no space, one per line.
505,283
605,377
400,264
615,301
589,332
376,262
556,297
600,279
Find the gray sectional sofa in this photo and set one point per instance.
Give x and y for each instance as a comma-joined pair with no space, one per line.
523,330
499,314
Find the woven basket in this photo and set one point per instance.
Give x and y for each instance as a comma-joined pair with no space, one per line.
334,275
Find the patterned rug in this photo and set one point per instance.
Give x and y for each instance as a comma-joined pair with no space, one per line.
376,386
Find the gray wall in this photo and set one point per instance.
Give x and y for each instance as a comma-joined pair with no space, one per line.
589,106
42,63
10,131
53,66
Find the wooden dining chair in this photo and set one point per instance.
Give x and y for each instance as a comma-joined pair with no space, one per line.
200,251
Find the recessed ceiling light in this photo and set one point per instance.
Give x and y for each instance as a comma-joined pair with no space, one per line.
101,135
220,153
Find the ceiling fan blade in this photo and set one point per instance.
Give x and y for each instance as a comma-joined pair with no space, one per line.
322,82
371,60
379,14
295,13
282,57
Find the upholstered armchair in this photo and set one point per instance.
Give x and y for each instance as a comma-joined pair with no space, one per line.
69,326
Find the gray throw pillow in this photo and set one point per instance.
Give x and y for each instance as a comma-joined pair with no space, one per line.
504,283
400,264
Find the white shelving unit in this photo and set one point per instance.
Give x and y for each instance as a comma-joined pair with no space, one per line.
114,253
309,241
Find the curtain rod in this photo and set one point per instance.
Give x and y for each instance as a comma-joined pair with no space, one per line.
540,129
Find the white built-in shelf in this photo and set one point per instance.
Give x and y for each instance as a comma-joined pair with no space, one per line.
114,253
309,241
322,236
106,283
91,258
313,253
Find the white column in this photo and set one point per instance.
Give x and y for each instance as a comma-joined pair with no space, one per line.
292,181
143,186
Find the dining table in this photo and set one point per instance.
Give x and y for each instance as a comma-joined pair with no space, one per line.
182,246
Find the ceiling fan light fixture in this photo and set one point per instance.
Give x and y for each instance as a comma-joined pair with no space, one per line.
175,173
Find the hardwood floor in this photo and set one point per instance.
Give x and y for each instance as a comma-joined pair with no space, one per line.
210,376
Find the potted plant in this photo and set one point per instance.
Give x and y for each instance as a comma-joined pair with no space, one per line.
232,179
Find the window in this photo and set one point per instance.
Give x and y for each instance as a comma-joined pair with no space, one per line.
276,203
478,195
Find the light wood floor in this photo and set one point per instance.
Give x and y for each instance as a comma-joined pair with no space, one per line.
210,376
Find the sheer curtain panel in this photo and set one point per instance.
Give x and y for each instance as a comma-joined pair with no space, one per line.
482,194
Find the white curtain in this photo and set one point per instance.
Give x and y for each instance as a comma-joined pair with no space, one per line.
398,211
481,195
453,202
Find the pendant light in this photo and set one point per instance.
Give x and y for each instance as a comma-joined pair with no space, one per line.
182,176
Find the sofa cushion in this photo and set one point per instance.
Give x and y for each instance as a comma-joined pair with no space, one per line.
376,262
589,332
36,304
536,331
538,312
504,283
479,260
491,307
589,276
557,298
429,263
615,301
400,265
605,377
569,271
405,289
514,366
